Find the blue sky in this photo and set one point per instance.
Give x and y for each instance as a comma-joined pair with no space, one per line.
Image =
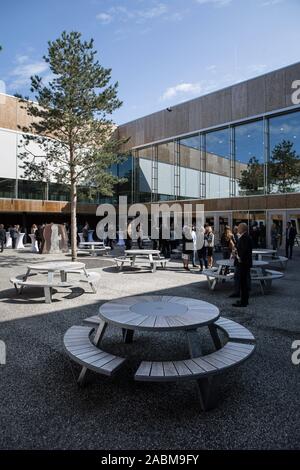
162,52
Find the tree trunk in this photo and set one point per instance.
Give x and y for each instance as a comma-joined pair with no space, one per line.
73,220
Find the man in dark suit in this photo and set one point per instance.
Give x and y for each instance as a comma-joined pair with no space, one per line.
290,235
243,263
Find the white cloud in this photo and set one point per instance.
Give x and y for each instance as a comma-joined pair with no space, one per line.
211,68
153,12
217,3
257,69
104,18
181,89
142,15
269,3
20,75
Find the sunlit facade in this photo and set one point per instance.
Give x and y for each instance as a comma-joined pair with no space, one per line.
236,150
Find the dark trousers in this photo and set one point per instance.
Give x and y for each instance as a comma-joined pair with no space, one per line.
237,281
128,243
1,245
13,242
202,257
140,243
289,248
244,283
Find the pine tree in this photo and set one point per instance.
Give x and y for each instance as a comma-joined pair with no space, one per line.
284,167
252,179
70,121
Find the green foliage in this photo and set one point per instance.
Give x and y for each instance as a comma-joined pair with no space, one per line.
284,167
252,179
71,122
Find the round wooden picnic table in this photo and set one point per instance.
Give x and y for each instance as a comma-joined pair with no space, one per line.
51,267
157,313
230,263
142,252
260,252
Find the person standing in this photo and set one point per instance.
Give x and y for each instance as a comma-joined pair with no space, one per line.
2,237
290,235
227,242
274,236
85,232
139,231
202,249
39,236
187,244
128,240
194,238
209,239
243,262
14,235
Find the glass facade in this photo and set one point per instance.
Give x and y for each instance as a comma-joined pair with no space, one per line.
218,164
284,154
31,190
256,157
190,174
251,158
7,188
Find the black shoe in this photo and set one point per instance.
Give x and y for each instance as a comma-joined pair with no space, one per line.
239,304
201,270
233,295
195,266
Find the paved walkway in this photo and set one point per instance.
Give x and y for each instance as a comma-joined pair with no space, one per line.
42,408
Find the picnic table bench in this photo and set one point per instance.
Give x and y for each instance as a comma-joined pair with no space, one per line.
19,282
156,261
34,279
224,273
78,345
239,346
140,256
165,313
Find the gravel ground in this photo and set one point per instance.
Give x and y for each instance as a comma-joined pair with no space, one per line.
42,408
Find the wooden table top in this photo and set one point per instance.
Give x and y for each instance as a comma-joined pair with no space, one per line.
158,313
230,262
55,266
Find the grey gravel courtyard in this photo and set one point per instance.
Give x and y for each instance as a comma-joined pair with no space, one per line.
42,407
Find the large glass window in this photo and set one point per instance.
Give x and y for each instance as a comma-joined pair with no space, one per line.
189,171
58,192
249,158
143,174
7,188
31,189
218,164
125,171
284,155
165,172
257,228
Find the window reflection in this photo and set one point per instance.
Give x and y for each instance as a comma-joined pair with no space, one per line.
7,188
217,164
249,158
189,175
165,186
284,157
